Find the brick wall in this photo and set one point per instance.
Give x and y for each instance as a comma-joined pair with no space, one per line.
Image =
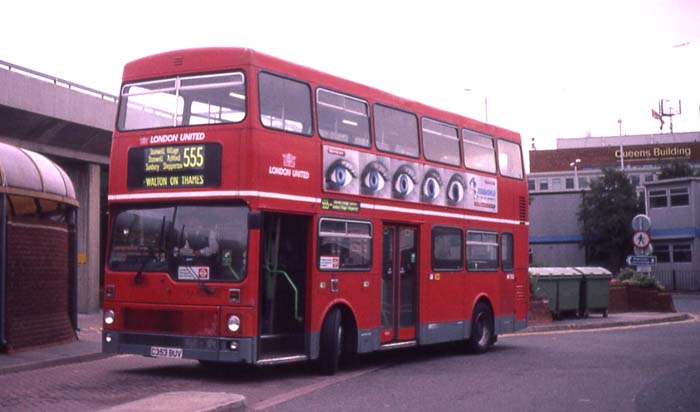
38,284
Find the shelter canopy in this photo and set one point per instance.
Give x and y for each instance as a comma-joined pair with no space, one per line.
27,173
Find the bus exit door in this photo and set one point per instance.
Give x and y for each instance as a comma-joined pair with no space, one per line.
282,285
399,283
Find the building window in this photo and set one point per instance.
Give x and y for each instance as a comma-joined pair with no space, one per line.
662,253
673,253
657,198
679,196
569,183
556,183
634,179
682,253
582,183
648,178
544,184
531,184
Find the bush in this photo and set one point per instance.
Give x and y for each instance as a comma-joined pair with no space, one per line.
626,273
630,277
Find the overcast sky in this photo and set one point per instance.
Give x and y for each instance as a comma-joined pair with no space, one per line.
546,68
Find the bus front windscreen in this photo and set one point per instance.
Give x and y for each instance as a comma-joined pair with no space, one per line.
190,242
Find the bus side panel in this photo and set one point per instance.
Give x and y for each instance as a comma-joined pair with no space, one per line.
442,312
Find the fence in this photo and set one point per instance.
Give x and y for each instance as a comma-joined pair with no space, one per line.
678,279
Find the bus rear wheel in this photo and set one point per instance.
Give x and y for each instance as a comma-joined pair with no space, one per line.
482,333
331,342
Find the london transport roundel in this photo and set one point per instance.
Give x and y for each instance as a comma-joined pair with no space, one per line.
641,239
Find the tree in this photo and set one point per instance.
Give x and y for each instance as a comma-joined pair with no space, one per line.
605,216
676,168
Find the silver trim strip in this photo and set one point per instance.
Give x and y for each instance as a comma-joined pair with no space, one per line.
281,360
406,344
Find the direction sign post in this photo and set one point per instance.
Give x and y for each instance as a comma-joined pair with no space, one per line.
637,260
642,258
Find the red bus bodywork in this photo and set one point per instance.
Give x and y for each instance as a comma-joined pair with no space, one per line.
278,178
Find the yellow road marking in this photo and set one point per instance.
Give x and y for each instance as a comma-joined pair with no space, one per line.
693,319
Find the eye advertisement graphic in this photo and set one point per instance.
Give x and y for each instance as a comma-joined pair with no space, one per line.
353,172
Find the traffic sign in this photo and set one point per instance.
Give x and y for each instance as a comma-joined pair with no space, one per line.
634,260
641,223
641,239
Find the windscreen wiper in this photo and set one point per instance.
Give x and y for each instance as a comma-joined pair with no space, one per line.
151,253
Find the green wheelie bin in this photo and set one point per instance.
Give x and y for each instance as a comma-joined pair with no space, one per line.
595,290
561,286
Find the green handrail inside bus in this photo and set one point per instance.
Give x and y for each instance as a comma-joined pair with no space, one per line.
270,271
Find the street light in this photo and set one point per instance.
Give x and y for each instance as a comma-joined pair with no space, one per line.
574,164
486,105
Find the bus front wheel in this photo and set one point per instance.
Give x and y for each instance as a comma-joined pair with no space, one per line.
482,334
331,342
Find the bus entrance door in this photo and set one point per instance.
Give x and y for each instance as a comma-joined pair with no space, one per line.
282,285
399,283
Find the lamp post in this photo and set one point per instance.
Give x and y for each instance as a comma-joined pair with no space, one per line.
574,164
486,105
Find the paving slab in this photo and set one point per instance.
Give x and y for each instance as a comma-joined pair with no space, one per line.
189,401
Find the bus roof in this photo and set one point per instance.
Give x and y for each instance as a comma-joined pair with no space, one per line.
212,59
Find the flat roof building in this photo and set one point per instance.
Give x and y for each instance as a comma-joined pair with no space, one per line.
559,177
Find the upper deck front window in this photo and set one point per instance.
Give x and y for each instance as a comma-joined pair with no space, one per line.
183,101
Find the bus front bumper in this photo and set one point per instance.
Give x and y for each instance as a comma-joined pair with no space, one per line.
214,349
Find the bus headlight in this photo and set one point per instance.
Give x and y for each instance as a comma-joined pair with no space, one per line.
234,323
109,317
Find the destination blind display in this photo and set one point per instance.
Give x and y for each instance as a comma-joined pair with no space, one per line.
165,167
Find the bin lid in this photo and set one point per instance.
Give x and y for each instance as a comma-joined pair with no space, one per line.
593,271
554,271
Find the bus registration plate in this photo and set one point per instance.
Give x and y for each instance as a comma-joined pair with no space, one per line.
161,352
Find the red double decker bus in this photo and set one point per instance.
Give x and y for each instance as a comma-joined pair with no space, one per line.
263,212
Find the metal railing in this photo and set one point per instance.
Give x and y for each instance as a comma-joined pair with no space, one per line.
674,279
57,81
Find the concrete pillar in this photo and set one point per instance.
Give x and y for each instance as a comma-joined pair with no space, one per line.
87,187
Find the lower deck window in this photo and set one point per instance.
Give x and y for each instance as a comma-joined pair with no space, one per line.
447,249
344,245
482,251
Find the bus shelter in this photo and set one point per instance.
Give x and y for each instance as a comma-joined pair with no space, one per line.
38,265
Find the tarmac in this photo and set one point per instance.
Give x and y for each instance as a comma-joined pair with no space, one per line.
88,348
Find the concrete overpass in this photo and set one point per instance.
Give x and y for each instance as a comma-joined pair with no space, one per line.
72,125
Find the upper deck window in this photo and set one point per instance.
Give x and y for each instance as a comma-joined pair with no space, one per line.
396,131
510,163
285,104
479,152
183,101
440,142
342,118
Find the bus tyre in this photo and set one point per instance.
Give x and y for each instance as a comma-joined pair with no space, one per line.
482,335
331,342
